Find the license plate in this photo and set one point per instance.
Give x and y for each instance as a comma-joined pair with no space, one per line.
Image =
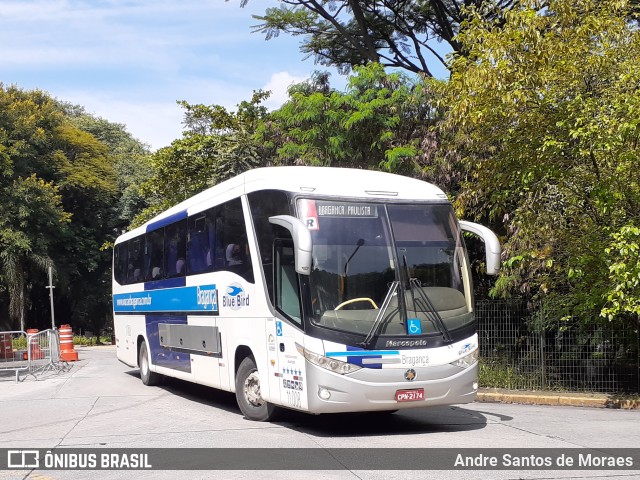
410,395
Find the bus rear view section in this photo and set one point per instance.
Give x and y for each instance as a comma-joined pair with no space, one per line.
316,289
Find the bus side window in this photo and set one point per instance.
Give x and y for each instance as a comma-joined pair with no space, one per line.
155,255
265,204
136,260
231,233
218,246
199,250
120,263
175,236
287,291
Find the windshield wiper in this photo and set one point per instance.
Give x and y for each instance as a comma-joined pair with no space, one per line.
381,313
430,309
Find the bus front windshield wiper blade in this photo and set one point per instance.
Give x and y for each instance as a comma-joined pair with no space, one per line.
428,308
393,288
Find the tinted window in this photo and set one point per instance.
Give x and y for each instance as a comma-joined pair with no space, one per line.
120,263
136,260
175,249
154,255
265,204
202,244
231,233
287,296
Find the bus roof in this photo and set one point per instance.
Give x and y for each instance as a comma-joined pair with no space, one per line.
329,181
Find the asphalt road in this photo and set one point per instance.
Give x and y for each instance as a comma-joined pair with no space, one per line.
101,403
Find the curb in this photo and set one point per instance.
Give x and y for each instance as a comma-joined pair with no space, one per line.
558,399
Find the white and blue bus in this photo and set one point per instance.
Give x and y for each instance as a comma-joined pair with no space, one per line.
316,289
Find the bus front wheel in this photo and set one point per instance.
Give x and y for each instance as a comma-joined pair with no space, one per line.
248,394
146,375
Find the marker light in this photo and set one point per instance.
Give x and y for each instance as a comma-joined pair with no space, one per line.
331,364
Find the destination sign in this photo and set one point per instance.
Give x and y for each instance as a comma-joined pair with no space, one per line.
346,210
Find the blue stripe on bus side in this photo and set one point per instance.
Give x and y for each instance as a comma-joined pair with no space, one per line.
163,222
166,283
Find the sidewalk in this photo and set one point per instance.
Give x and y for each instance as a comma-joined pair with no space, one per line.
598,400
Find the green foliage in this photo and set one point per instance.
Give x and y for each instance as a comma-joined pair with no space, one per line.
624,273
544,108
102,207
131,159
497,374
19,343
216,145
31,211
91,341
58,203
378,123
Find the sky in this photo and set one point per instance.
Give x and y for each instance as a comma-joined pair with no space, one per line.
129,61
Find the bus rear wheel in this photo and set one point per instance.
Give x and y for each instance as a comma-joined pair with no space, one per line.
148,377
248,394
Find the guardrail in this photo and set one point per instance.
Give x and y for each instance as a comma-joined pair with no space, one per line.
31,352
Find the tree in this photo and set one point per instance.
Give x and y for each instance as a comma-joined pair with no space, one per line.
381,122
31,211
131,160
544,112
60,200
394,33
30,218
623,256
216,145
123,163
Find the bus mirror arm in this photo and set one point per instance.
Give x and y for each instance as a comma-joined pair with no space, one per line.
301,241
491,244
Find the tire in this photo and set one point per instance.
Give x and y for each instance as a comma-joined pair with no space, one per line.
248,396
148,377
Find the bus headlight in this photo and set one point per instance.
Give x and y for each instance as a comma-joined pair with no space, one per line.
467,360
331,364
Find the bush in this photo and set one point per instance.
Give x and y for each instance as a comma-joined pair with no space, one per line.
91,341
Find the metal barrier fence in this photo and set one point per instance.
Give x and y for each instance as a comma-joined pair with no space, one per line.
516,353
30,353
14,354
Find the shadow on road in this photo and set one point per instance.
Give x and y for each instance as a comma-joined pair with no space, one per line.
418,421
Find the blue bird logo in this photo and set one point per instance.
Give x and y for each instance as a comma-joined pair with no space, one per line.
234,291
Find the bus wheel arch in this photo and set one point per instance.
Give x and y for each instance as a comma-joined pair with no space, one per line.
248,390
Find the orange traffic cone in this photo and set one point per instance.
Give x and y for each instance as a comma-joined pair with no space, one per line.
67,351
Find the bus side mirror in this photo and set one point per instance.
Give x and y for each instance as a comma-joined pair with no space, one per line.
491,244
301,241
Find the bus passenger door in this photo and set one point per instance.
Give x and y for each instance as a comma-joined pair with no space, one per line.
288,328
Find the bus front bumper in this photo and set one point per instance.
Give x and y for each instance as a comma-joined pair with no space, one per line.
333,393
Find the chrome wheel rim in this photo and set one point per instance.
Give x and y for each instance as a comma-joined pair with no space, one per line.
252,390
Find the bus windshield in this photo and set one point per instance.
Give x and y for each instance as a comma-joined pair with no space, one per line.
387,269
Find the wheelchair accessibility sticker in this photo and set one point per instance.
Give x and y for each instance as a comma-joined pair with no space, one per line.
414,327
